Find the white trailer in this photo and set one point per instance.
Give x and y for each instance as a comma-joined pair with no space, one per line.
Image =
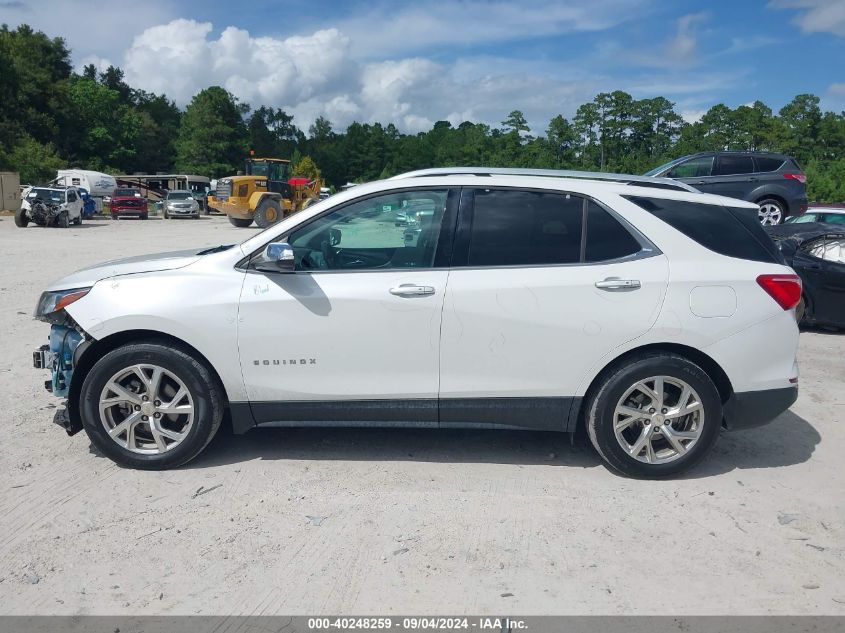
98,184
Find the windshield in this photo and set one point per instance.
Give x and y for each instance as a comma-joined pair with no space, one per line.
664,167
179,195
126,193
46,194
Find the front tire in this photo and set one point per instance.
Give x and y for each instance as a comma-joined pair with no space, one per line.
655,416
268,213
21,219
150,406
62,221
238,222
771,212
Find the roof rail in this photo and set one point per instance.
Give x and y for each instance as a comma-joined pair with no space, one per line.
628,179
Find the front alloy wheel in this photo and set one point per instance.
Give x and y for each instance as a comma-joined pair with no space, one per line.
146,409
150,405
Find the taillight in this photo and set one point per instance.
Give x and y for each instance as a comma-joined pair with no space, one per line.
796,176
785,289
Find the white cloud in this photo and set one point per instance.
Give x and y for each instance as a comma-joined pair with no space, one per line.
93,29
837,89
818,16
387,30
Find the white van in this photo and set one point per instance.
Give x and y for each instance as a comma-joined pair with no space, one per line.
98,184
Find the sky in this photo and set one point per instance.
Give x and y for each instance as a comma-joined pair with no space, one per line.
413,63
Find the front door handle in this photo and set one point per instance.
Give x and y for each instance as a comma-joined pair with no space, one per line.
614,283
412,290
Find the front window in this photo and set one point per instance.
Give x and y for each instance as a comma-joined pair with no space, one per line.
390,231
800,219
179,195
693,168
126,193
47,195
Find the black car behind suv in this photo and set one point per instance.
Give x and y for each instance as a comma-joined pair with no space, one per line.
773,181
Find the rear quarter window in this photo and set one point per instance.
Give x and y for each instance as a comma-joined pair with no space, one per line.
767,163
733,232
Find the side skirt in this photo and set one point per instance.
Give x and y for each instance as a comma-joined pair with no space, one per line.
539,414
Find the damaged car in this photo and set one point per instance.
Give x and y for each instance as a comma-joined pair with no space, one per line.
50,206
520,300
816,251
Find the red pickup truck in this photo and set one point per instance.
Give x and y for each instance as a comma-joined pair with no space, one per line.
126,201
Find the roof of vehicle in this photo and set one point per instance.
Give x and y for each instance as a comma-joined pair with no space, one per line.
657,182
736,153
179,191
827,208
803,231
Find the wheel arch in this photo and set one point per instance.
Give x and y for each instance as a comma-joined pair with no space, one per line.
93,350
713,370
759,197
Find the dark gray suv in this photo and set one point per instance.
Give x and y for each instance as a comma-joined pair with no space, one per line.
774,181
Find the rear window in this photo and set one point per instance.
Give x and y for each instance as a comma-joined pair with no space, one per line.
731,165
767,163
606,237
734,232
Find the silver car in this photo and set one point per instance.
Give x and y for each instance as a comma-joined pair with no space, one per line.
181,204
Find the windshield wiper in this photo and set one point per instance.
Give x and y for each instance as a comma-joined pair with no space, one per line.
216,249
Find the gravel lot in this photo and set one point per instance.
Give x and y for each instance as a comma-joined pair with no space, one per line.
399,521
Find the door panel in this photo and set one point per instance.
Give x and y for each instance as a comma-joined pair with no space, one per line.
340,336
359,320
535,332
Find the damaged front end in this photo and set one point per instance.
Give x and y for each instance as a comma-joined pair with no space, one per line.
59,355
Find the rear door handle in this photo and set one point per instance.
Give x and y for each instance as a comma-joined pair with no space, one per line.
614,283
412,290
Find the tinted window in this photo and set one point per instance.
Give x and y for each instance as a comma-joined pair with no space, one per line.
693,168
767,163
512,228
731,232
606,237
732,165
71,197
805,217
396,230
834,218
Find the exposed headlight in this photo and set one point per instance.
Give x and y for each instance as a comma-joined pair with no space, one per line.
51,303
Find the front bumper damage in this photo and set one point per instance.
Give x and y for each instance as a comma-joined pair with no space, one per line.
58,356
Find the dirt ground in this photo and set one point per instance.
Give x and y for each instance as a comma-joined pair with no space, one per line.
373,521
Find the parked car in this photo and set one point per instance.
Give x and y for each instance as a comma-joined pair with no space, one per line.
50,206
775,182
180,204
816,251
126,201
830,214
524,302
89,206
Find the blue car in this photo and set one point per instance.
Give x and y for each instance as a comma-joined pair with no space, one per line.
88,205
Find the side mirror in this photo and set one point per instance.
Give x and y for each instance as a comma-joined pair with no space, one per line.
334,236
278,258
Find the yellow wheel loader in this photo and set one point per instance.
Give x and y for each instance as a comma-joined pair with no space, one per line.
265,194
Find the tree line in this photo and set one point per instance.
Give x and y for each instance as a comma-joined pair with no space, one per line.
52,117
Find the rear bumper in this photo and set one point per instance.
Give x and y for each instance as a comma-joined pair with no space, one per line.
797,205
747,409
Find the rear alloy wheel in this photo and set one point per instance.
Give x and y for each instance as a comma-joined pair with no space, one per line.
654,417
771,212
268,213
150,406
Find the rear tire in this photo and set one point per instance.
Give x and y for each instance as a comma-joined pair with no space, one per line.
659,444
21,219
202,395
268,213
772,212
239,222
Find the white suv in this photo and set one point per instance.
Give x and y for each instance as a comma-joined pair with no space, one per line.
651,314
